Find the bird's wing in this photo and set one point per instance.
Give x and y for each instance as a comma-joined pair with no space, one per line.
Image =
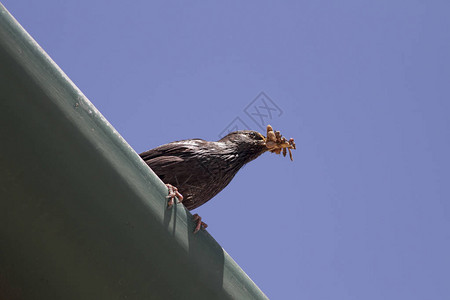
172,149
164,160
173,162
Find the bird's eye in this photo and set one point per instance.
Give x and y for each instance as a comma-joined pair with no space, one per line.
257,136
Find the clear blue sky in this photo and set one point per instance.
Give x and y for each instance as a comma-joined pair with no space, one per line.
363,212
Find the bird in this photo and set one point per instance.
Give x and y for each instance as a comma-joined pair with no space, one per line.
195,170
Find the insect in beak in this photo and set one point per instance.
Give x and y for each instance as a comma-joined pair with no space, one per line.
276,143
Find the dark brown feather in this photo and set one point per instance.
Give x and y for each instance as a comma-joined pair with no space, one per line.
201,169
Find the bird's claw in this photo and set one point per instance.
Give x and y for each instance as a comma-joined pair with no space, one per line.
200,224
276,143
173,192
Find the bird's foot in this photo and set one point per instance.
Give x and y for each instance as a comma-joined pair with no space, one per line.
173,192
200,224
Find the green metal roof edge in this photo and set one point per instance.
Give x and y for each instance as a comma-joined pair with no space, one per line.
81,216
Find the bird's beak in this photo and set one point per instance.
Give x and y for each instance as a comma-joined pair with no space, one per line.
276,143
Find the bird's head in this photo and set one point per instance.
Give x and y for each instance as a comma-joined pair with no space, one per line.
255,142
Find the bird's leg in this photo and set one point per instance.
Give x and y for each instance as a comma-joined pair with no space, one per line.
200,224
173,192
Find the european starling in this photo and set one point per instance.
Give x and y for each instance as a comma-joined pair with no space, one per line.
196,170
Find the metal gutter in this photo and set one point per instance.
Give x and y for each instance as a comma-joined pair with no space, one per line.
81,216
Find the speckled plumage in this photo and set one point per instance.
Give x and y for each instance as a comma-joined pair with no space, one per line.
201,169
